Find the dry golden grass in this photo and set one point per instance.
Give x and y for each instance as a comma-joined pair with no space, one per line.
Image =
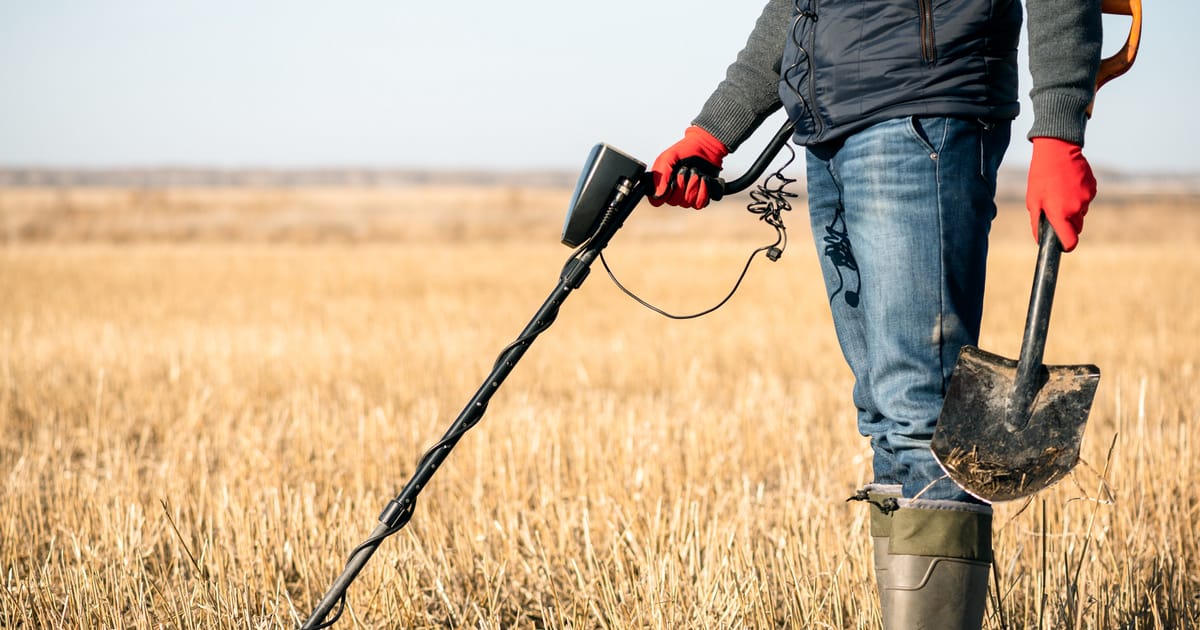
194,434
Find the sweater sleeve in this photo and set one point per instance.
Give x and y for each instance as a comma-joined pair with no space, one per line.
1064,55
750,91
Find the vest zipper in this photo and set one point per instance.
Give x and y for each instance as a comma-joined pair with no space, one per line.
928,51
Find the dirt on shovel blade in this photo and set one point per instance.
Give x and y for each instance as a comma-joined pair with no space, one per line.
991,460
994,482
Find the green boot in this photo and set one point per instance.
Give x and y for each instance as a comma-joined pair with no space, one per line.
939,557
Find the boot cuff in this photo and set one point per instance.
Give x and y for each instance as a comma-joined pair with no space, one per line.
949,529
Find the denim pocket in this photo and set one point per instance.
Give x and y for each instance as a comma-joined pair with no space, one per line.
929,132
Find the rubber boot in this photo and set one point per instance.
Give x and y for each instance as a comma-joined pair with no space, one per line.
940,555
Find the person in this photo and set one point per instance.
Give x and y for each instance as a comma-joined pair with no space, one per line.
905,108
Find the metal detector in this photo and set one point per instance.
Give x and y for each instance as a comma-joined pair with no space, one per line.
610,186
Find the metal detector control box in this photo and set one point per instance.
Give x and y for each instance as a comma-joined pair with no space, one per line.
603,171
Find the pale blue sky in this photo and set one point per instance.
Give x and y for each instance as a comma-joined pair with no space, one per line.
434,84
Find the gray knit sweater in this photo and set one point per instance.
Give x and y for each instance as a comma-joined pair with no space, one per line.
1064,54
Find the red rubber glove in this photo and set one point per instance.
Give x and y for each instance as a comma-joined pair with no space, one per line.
1061,184
697,144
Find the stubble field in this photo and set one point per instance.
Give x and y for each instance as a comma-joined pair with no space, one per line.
207,397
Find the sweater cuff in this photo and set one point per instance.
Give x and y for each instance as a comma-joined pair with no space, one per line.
729,121
1059,116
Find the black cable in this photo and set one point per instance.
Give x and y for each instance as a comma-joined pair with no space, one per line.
838,250
802,15
768,201
693,315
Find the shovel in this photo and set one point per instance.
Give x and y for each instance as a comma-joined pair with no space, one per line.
1011,428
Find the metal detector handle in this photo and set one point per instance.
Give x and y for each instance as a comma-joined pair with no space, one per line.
1030,372
718,187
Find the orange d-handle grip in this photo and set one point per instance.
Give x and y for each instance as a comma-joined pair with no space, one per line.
1118,64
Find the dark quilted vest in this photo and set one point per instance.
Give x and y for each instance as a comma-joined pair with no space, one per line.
848,64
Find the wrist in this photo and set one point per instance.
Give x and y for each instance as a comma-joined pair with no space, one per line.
1060,116
1053,142
707,146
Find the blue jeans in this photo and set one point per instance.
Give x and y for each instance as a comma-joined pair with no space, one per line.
900,214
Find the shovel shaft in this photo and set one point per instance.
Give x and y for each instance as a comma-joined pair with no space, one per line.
1031,374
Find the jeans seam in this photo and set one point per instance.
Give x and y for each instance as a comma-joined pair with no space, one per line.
982,135
941,218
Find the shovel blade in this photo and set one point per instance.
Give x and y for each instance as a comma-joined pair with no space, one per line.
979,447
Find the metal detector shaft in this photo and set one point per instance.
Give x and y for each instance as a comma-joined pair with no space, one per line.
627,193
399,509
